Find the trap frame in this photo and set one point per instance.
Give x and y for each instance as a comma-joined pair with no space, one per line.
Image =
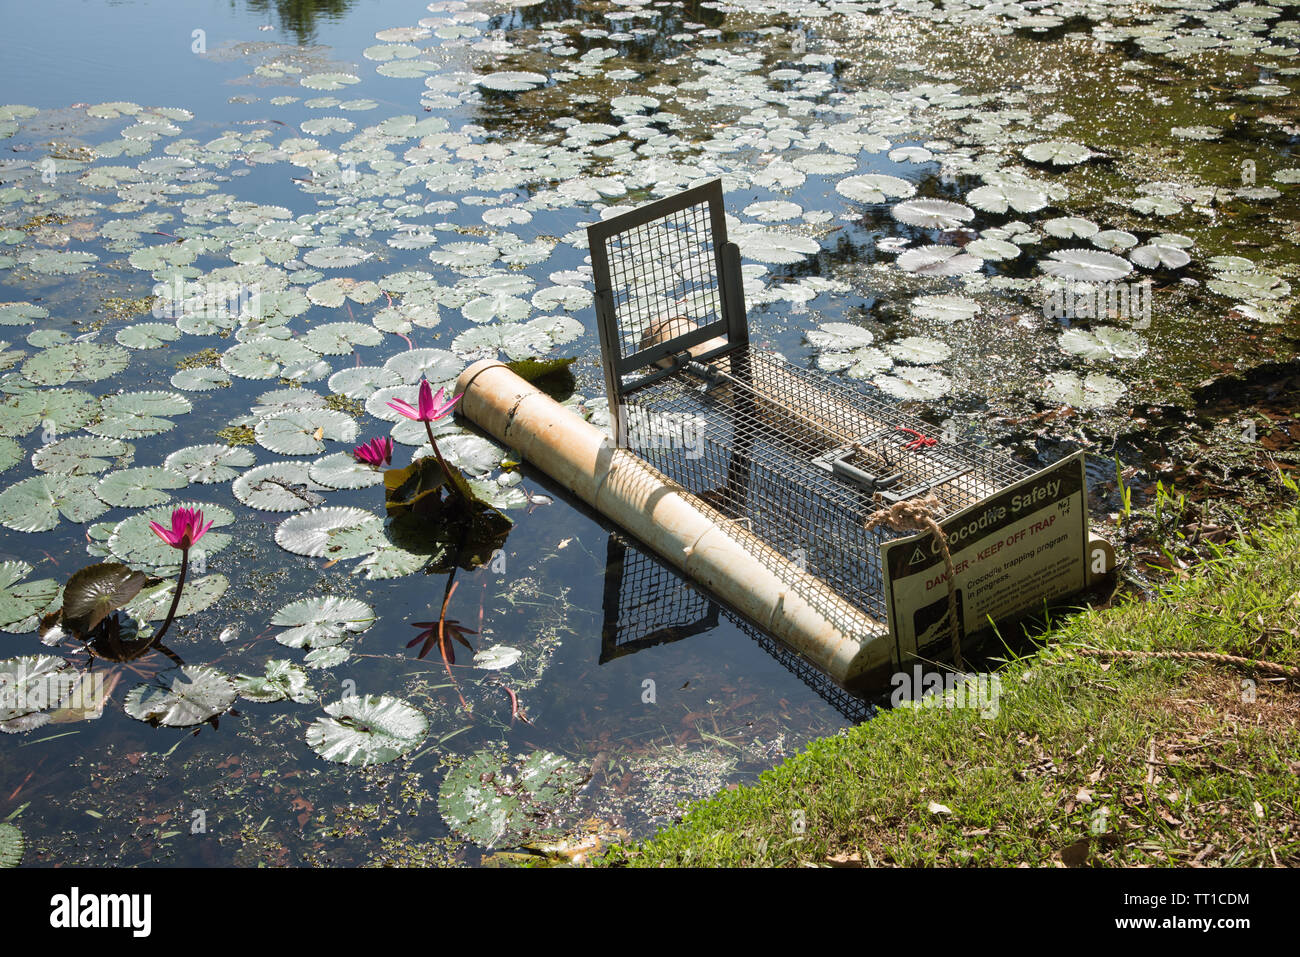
794,458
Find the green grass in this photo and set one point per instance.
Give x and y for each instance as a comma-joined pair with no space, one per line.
1087,761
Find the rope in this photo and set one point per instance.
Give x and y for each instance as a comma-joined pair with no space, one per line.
917,514
1271,667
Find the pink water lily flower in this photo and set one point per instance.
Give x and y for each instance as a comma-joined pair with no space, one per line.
187,528
375,453
431,408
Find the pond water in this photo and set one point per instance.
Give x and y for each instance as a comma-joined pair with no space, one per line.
230,232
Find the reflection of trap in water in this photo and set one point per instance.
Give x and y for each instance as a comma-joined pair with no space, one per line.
790,461
647,603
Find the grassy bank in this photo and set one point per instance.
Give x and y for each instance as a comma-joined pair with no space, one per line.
1087,760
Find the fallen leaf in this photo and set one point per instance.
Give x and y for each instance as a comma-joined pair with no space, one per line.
853,859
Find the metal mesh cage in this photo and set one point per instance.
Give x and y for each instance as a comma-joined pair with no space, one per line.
794,459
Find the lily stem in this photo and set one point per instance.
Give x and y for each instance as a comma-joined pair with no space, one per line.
446,469
176,597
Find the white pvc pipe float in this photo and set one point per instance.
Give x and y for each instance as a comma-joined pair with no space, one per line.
679,527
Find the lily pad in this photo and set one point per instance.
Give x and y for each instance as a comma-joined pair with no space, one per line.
194,695
1057,152
1006,196
11,845
198,595
334,533
944,309
1087,265
361,731
139,487
1104,342
75,362
939,261
131,415
492,802
341,470
874,188
35,504
919,350
305,432
22,601
209,464
30,687
497,657
278,487
200,380
1093,391
58,410
95,592
81,455
914,384
282,681
322,622
932,213
134,543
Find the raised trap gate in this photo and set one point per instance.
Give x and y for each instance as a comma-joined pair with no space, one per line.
794,457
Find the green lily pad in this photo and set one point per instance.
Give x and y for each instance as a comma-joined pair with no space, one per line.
147,335
134,543
200,380
30,688
493,803
334,533
131,415
283,681
22,602
75,362
194,695
1093,391
11,845
82,455
341,470
322,622
209,464
198,595
296,433
361,382
35,504
1104,342
11,453
139,487
914,384
57,410
278,487
95,592
361,731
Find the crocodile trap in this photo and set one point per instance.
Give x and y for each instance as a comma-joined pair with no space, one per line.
799,460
